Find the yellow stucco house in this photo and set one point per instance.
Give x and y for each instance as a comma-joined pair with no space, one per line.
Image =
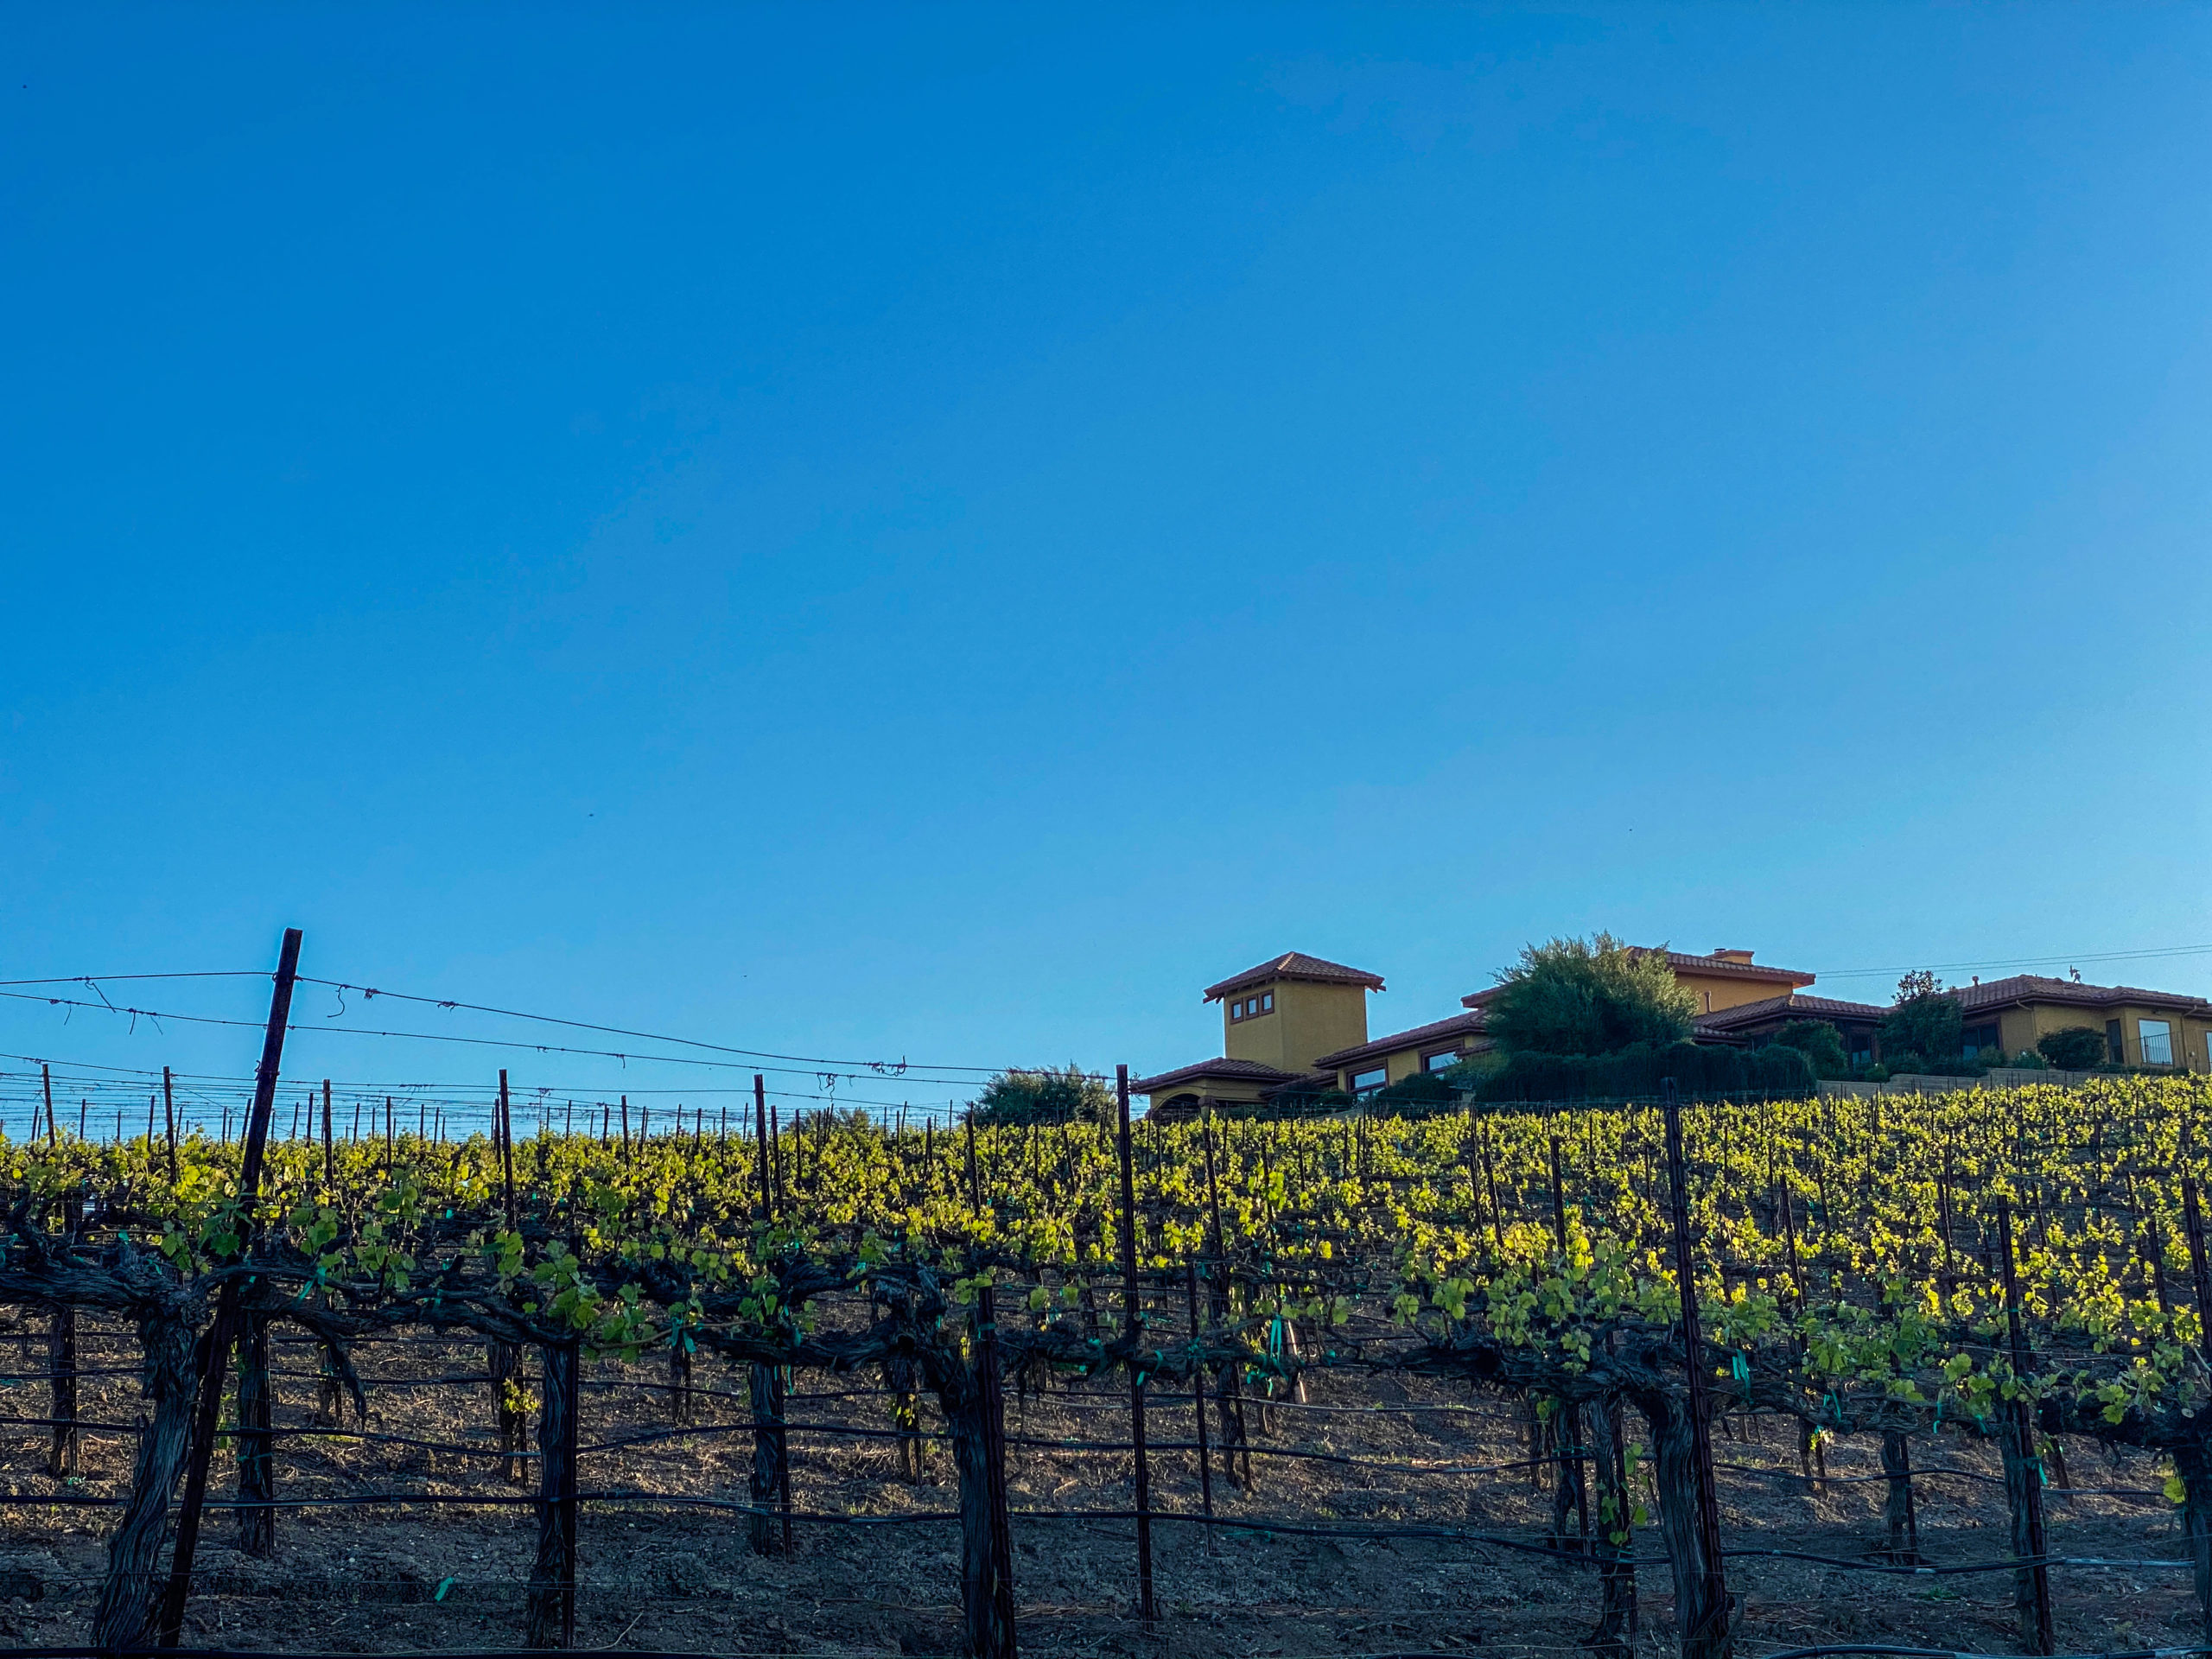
1277,1019
2141,1028
1297,1024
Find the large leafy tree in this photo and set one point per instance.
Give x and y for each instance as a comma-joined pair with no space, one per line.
1046,1096
1588,996
1923,1027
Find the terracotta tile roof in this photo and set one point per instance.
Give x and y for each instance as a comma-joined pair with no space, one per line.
1715,966
1460,1025
1790,1006
1219,1066
1295,964
2037,987
1728,968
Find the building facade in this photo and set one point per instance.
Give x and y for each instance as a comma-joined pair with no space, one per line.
1297,1024
2140,1027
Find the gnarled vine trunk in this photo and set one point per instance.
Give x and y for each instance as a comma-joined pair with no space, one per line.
1704,1613
766,1385
552,1609
62,1357
130,1595
2194,1464
974,1411
1899,1515
1615,1636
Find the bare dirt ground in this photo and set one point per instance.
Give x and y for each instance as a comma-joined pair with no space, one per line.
395,1579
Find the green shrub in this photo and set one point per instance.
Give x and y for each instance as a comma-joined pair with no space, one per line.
2028,1059
2075,1048
1637,1073
1046,1096
1820,1043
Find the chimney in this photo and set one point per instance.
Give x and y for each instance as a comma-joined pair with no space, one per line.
1743,957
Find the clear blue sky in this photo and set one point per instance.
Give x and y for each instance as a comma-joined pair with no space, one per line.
940,532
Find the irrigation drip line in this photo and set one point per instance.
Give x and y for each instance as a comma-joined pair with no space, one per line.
1033,1442
1295,1405
1549,1548
857,1432
1933,1468
372,1381
1837,1649
275,1431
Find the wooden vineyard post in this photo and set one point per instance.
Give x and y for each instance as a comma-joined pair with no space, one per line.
1228,1395
764,1383
1572,1491
2023,1478
168,1114
224,1331
986,1528
257,1462
2192,1221
1689,1503
1132,1328
329,1146
766,1209
1198,1394
504,1360
506,1144
552,1619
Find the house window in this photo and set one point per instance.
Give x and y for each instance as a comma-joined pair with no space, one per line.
1251,1007
1373,1078
2115,1042
1861,1046
1974,1038
2158,1039
1268,1003
1442,1059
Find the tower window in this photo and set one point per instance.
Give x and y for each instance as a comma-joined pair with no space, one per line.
1250,1008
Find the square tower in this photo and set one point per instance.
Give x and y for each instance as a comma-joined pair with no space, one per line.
1289,1011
